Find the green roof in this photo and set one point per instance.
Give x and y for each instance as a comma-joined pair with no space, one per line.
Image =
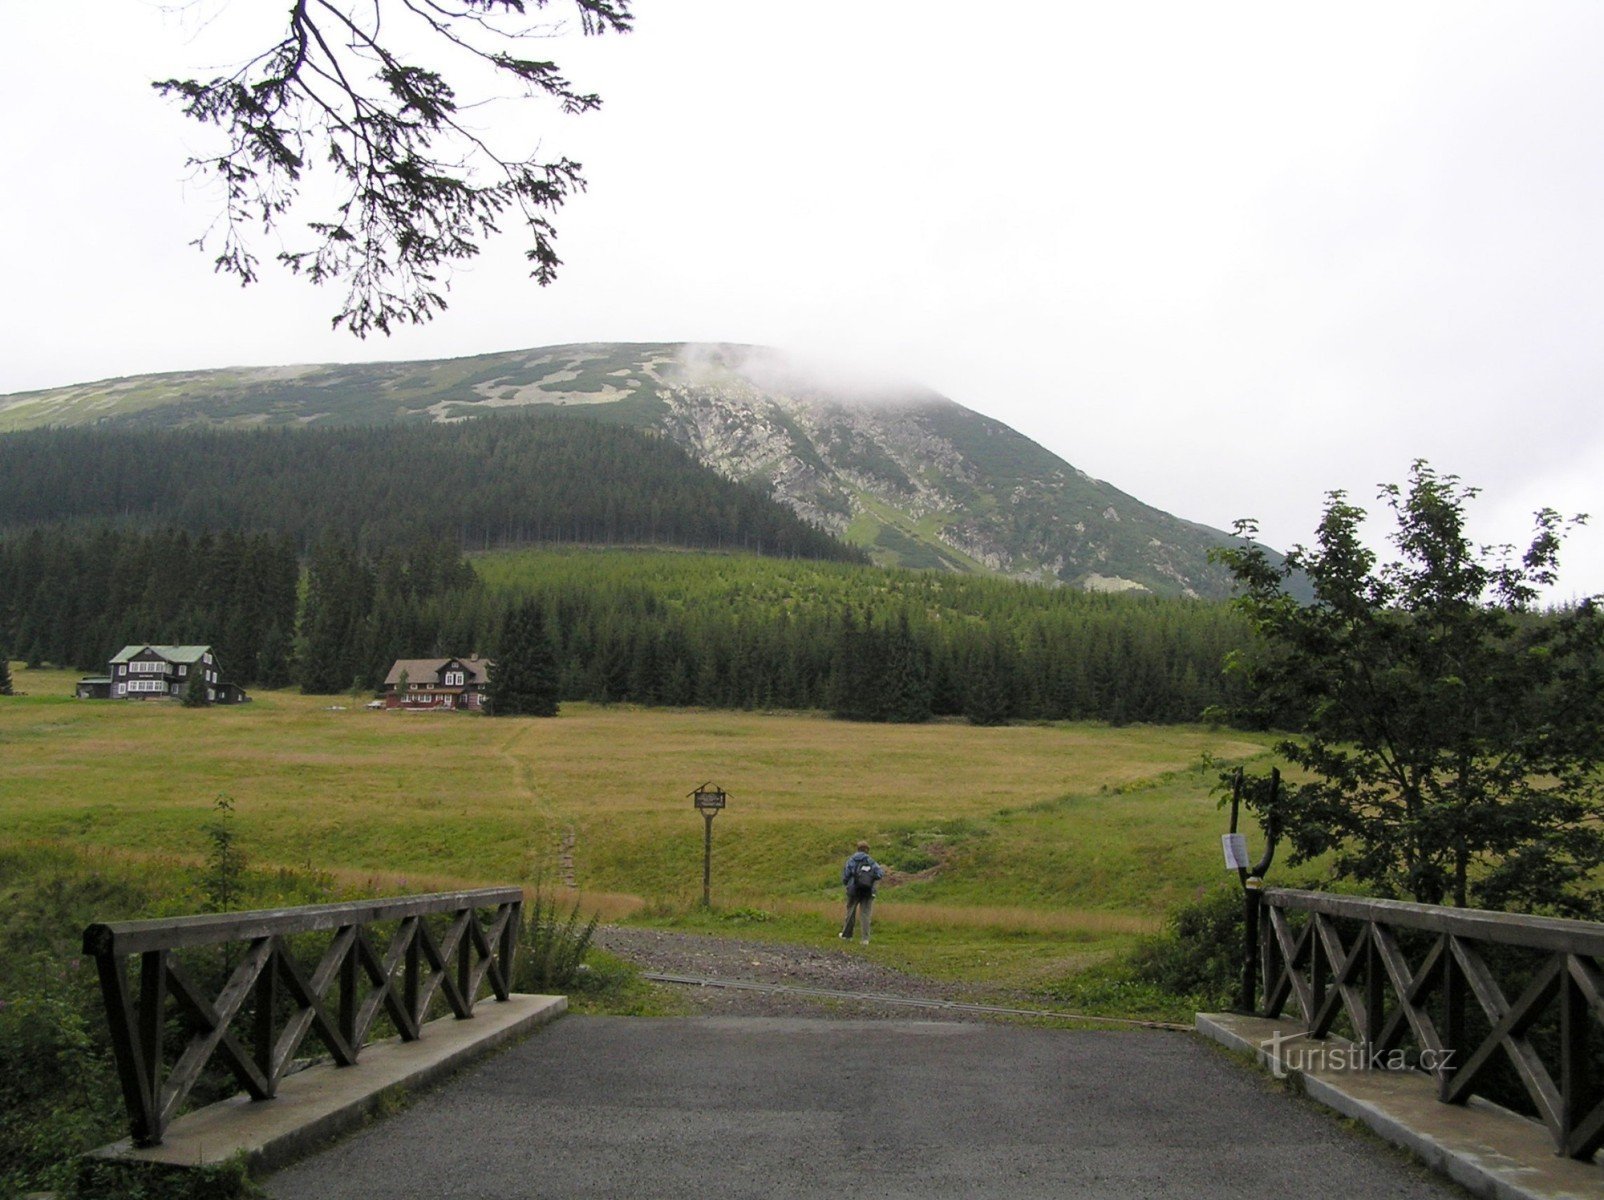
177,654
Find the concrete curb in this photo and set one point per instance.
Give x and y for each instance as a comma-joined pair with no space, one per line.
1486,1149
322,1102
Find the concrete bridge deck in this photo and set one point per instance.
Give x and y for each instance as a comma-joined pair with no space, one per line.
764,1107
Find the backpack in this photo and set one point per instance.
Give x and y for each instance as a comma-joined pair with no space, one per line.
863,878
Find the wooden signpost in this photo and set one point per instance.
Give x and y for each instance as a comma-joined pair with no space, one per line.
709,800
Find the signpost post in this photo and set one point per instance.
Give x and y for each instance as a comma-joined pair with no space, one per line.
1235,846
709,800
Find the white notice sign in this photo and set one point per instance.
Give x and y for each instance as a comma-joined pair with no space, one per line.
1236,851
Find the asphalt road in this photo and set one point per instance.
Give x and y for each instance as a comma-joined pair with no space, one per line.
781,1107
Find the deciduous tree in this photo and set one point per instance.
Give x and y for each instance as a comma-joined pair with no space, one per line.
1451,733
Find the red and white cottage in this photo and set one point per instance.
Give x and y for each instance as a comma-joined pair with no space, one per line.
437,683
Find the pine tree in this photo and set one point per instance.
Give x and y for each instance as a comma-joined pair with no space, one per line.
523,677
986,699
195,692
5,672
907,684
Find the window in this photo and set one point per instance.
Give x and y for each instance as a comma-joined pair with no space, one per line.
183,669
122,689
453,678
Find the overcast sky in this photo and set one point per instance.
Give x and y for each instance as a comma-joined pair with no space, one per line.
1226,256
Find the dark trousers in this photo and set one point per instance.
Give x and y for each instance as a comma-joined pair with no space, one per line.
858,905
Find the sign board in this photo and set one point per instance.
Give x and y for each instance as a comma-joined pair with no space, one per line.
1236,851
710,801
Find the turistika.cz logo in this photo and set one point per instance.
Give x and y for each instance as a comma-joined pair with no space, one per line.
1293,1052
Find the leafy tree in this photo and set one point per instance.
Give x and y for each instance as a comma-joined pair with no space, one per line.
1450,733
415,185
523,677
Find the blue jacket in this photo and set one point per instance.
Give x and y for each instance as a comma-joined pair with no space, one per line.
851,867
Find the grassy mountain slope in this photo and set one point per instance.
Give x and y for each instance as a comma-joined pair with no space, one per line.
911,476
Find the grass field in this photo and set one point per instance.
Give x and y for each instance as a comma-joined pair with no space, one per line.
1017,852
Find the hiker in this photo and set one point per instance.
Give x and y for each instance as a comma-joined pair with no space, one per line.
859,876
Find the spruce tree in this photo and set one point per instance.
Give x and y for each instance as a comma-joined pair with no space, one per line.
986,699
195,692
523,677
907,682
5,672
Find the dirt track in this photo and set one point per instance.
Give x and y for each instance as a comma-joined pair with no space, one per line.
846,969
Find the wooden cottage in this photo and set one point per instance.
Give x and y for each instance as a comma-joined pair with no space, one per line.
419,684
148,672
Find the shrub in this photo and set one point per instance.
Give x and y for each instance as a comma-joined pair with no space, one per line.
1200,953
553,946
58,1092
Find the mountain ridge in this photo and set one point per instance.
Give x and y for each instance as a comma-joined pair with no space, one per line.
907,474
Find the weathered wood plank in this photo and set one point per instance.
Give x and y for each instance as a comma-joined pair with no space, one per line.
1508,929
173,933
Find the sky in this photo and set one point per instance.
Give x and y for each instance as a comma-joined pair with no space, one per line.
1227,256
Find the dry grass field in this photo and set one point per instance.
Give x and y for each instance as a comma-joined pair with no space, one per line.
1007,839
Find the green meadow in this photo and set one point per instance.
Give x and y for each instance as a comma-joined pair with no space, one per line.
1018,854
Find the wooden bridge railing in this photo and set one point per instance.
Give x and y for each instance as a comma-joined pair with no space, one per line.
270,1003
1406,973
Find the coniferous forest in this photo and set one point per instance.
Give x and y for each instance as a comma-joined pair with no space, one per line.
316,558
501,481
647,627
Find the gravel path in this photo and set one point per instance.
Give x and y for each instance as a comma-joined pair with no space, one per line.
841,970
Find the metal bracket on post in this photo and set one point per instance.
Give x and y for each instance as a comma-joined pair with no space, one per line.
1252,884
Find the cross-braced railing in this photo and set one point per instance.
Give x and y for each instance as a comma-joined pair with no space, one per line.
1402,976
270,1003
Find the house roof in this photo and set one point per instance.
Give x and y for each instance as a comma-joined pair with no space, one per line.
419,669
176,654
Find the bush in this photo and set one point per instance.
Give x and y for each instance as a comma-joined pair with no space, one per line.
1199,956
58,1092
553,947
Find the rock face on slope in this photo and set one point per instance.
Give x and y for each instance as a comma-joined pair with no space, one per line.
917,479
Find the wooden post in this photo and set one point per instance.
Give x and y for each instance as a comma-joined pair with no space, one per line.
707,861
709,801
